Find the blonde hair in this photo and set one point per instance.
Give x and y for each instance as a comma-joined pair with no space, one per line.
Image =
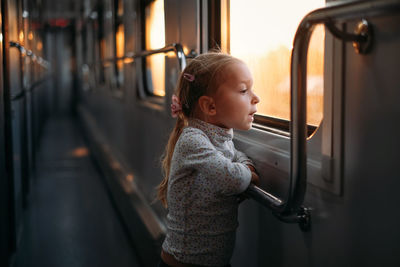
207,71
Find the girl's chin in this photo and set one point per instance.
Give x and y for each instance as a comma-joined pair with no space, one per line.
245,127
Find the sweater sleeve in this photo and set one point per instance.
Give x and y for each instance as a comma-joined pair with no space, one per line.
199,154
242,158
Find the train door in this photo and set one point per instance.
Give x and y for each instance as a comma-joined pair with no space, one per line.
371,139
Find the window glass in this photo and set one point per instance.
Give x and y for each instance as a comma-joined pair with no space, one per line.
119,41
261,33
155,39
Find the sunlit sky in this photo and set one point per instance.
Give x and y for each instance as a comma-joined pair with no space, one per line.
261,34
274,23
154,24
155,30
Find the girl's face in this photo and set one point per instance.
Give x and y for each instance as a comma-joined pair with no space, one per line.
235,100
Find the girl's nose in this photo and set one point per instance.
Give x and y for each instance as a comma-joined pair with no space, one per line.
255,99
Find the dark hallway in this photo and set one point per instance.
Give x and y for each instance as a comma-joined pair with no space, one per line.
71,220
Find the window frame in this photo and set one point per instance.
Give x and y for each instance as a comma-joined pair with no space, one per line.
219,10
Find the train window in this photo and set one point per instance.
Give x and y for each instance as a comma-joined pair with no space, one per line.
155,39
99,49
85,69
119,41
268,51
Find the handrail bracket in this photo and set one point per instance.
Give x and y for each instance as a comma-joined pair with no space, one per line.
302,218
362,37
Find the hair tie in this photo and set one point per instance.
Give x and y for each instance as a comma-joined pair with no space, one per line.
189,77
176,106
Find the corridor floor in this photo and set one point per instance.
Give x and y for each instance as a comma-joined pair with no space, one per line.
70,219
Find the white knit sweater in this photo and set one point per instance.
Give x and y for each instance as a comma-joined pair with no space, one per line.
207,173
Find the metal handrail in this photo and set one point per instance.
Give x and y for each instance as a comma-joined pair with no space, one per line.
31,88
26,52
292,210
177,48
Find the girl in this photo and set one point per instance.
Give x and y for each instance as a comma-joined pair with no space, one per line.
203,171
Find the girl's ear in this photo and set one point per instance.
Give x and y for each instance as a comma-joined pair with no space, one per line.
207,105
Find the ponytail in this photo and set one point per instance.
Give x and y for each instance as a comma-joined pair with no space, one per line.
167,157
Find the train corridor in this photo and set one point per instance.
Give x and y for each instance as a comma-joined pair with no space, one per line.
70,220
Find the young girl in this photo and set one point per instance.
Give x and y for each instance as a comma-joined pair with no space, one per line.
203,171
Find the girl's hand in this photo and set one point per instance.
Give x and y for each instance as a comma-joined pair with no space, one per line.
254,179
254,176
251,168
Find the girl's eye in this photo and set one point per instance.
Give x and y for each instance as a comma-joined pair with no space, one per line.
243,91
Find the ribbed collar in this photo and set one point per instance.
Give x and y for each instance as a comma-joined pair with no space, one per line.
215,133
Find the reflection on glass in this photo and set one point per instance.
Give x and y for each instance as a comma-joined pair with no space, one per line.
39,46
261,34
155,38
120,9
120,43
21,37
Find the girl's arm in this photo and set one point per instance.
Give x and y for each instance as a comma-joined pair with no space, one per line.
242,158
226,176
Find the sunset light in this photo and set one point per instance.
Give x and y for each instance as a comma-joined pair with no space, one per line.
21,37
261,34
155,38
120,46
